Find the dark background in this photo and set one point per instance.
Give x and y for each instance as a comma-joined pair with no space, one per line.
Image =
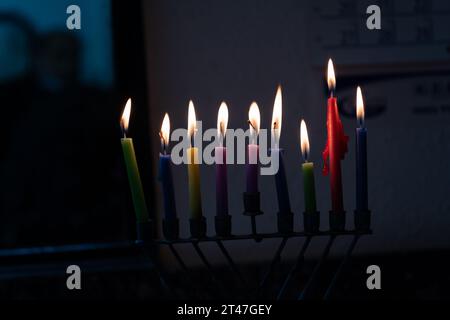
62,92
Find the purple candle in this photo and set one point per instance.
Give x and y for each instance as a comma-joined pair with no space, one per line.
252,167
221,181
221,163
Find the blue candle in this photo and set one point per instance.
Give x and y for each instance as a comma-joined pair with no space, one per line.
284,205
361,156
165,172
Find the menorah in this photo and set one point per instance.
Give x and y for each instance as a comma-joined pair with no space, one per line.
335,149
311,230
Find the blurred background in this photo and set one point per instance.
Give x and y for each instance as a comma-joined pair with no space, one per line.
62,174
61,166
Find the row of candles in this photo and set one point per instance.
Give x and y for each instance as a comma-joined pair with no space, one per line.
335,149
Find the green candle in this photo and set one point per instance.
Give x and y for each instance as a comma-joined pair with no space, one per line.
309,187
308,172
140,207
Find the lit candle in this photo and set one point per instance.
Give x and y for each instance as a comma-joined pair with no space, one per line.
309,187
195,203
254,119
336,146
140,207
361,155
165,171
284,205
221,165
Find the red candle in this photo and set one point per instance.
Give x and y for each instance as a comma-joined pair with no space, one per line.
336,146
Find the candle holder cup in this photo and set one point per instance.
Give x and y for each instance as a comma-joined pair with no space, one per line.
223,225
171,228
337,220
252,208
144,231
285,222
362,220
198,227
252,204
311,221
223,229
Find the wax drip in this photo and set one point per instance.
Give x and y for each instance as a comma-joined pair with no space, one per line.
325,154
342,147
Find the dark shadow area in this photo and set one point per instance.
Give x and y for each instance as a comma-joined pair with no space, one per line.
61,162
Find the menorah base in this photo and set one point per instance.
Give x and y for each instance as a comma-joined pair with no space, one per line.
362,220
223,225
337,220
171,228
144,231
198,227
285,221
311,221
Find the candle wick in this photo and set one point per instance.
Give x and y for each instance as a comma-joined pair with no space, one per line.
254,136
163,143
255,132
192,140
275,135
124,132
306,156
221,134
251,124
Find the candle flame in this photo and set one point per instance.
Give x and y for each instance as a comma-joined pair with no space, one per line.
304,140
165,131
276,116
125,120
254,118
359,106
331,79
222,120
192,120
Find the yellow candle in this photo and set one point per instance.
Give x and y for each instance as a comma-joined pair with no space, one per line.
195,201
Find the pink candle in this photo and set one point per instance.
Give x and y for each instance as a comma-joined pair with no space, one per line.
252,166
221,163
